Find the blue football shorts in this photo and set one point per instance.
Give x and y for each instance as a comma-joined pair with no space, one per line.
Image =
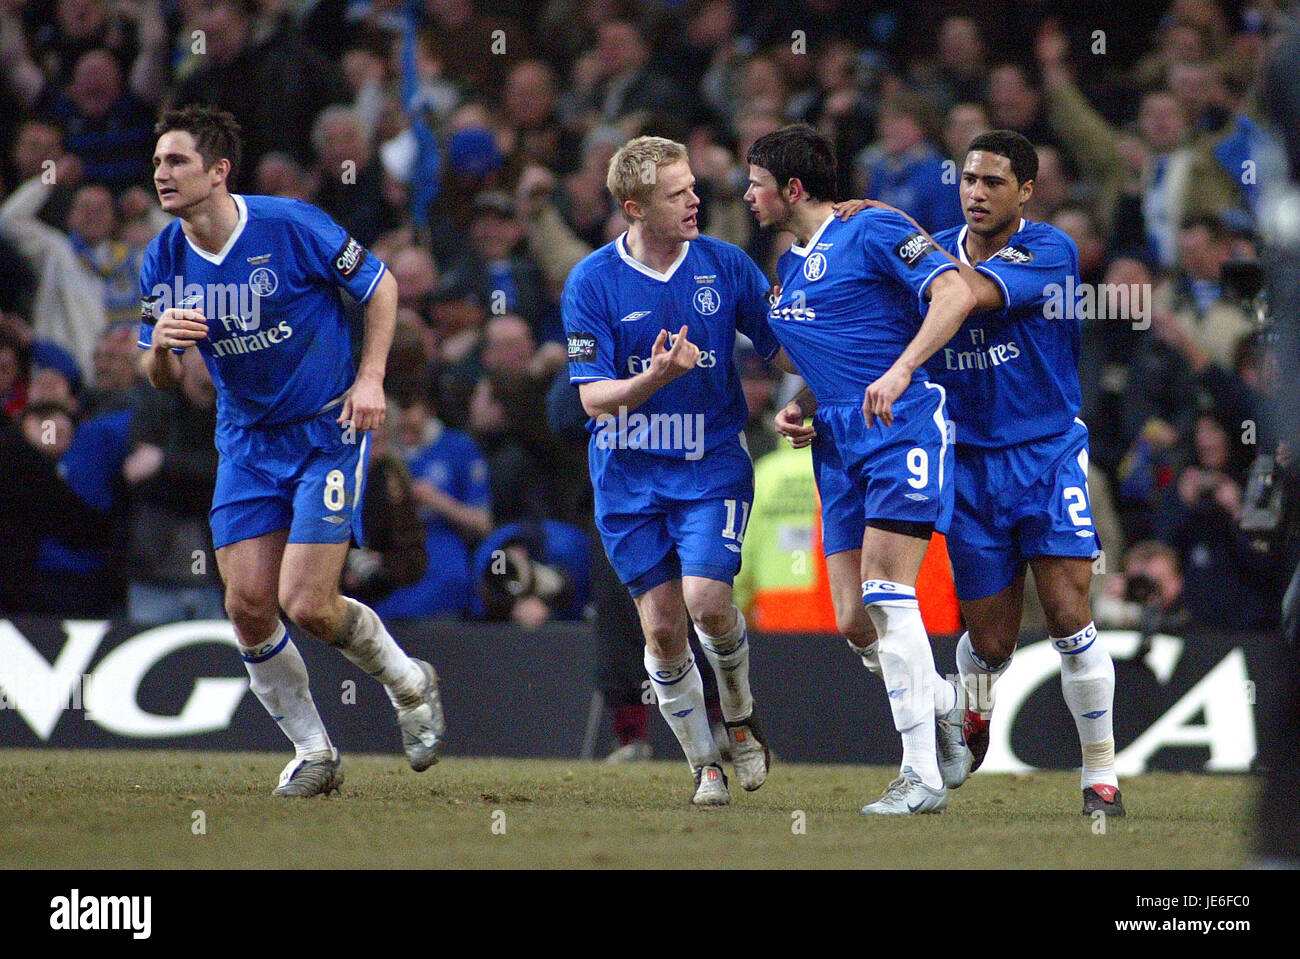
307,477
1018,502
662,518
901,472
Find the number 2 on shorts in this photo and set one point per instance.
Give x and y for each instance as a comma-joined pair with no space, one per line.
1078,501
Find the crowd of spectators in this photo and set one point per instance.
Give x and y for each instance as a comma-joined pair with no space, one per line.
466,143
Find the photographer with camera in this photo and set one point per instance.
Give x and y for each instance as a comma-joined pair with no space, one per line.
1200,516
1148,594
532,572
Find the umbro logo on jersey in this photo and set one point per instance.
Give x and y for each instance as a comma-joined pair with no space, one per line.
634,316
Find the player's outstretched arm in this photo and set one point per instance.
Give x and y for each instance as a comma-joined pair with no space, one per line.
176,329
950,303
606,397
366,406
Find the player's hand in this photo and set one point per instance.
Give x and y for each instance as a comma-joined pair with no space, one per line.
879,399
789,422
668,364
846,208
179,329
365,406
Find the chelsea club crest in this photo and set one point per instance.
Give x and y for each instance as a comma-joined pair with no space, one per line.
263,281
707,300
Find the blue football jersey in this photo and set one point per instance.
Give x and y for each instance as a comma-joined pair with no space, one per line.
852,299
1012,374
279,345
613,309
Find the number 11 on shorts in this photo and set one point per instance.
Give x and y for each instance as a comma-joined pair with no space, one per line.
730,531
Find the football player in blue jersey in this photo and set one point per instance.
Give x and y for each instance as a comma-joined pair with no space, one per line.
863,304
253,283
1022,455
651,321
1012,375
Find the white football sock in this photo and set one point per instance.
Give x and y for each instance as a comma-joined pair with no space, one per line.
870,655
366,643
945,695
978,677
278,678
1088,685
907,666
729,657
680,692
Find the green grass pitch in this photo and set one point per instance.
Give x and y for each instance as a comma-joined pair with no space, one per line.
187,810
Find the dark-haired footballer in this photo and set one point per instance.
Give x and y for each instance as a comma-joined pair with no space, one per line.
863,304
1012,374
1021,471
253,283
